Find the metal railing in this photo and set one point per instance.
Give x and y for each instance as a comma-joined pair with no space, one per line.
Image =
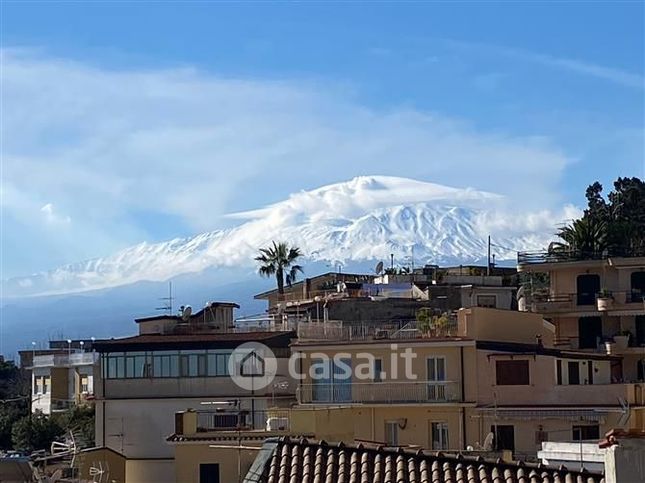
379,392
545,301
61,360
567,255
244,420
404,329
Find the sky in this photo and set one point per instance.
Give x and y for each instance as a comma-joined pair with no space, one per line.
125,122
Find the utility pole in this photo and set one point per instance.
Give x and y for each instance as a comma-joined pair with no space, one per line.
488,263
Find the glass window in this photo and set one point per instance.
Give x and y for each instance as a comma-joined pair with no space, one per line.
222,364
436,369
392,433
46,384
512,373
85,384
574,373
439,432
586,432
378,369
129,367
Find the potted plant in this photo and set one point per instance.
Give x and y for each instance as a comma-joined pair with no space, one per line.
604,300
622,339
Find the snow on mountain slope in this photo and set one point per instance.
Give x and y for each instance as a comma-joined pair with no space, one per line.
366,218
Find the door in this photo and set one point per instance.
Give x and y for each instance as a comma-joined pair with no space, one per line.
638,286
639,321
588,285
436,370
574,372
209,473
504,436
589,332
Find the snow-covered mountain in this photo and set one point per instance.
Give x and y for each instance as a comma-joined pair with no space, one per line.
364,219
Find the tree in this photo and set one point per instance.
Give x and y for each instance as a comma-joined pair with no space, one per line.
80,421
615,226
278,259
35,431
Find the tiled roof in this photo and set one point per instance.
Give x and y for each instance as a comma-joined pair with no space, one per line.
286,461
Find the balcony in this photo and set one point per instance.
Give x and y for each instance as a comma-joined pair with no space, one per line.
397,330
561,256
66,360
274,420
560,303
380,392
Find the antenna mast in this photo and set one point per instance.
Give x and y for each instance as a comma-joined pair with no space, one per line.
168,300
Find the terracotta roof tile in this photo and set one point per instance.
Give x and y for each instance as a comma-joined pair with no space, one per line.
302,461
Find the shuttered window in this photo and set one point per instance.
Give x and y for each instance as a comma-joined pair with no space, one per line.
512,373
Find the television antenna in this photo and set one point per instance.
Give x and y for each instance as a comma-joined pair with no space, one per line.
167,307
379,268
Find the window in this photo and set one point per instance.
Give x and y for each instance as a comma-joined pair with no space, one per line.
639,322
392,433
586,432
209,473
640,370
489,301
574,373
558,372
512,373
439,434
436,370
589,372
378,369
589,332
85,384
38,385
504,437
46,384
588,285
332,381
638,286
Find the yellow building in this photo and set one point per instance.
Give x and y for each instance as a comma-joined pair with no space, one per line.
489,380
595,304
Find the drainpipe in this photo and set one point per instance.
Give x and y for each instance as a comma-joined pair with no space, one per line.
463,399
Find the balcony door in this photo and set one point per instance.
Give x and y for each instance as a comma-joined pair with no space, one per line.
638,286
589,332
639,321
436,370
333,382
587,285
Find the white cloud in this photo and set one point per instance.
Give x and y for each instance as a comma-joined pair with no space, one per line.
611,74
52,216
101,144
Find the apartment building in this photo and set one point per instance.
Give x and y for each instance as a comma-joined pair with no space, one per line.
597,304
61,380
361,299
492,379
177,363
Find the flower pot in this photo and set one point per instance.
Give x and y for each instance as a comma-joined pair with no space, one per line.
622,341
610,347
604,303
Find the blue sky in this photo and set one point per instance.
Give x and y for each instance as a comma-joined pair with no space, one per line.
132,121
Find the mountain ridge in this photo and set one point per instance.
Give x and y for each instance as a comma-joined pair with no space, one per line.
363,219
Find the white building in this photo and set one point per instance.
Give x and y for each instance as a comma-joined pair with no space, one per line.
60,381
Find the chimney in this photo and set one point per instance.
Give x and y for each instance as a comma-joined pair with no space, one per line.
186,422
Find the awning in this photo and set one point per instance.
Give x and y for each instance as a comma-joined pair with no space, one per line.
589,415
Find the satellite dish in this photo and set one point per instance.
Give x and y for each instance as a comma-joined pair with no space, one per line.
488,442
186,312
379,268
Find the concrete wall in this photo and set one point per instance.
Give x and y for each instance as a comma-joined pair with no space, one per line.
504,325
232,462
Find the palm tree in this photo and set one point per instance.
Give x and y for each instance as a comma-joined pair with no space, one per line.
278,259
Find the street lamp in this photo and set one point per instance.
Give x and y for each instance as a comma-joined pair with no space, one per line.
69,347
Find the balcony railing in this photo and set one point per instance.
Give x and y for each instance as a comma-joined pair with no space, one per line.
62,360
245,420
404,329
556,256
543,302
379,392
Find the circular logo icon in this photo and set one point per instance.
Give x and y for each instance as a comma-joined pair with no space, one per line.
252,366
